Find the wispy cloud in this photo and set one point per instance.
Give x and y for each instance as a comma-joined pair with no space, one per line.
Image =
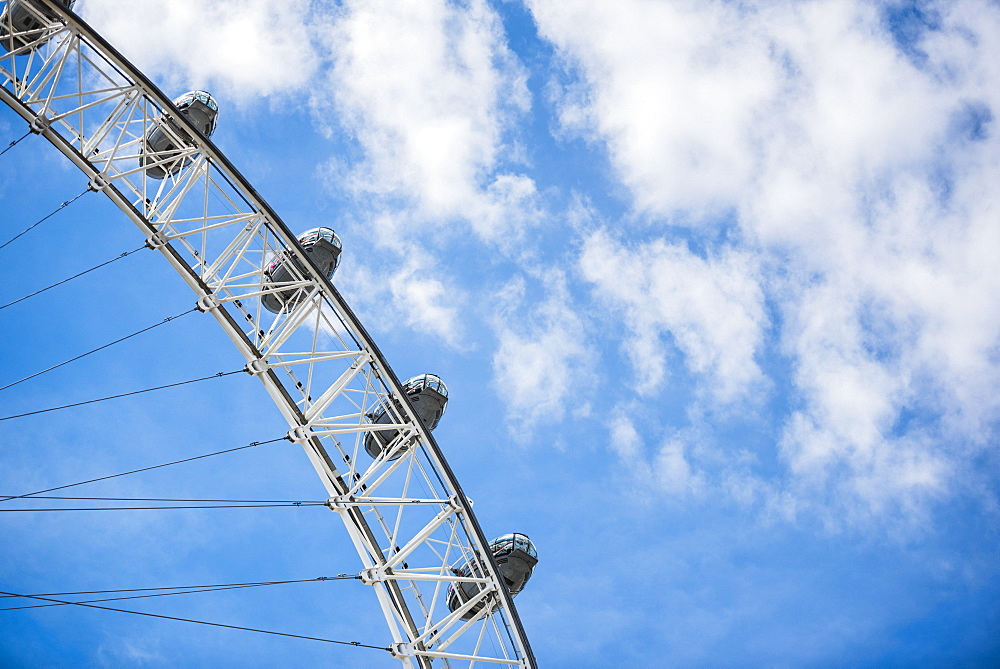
428,90
244,48
858,179
709,308
543,355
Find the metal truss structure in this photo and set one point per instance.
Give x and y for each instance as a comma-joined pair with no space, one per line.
405,511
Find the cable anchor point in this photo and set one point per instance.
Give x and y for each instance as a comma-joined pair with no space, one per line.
402,649
39,124
299,434
257,367
98,183
375,575
206,303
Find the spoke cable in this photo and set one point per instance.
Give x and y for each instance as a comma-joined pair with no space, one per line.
202,622
174,499
99,348
46,217
217,375
146,469
183,590
15,143
75,276
338,577
162,508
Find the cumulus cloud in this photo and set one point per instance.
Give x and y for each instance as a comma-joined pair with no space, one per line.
412,293
429,89
428,93
668,470
711,309
244,48
543,354
858,172
672,88
427,305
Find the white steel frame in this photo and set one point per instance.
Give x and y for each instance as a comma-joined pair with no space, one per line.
407,517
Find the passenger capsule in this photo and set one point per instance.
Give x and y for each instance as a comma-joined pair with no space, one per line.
516,558
23,23
163,140
429,397
322,245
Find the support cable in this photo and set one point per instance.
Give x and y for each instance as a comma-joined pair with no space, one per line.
338,577
187,590
186,501
202,622
15,143
217,375
163,508
99,348
146,469
75,276
46,217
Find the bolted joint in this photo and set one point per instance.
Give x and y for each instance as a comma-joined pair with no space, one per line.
257,367
299,434
375,575
402,649
98,183
39,124
340,503
205,303
157,240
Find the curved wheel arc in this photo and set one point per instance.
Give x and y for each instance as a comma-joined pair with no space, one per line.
405,511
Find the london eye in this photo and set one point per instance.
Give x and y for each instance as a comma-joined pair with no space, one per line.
445,589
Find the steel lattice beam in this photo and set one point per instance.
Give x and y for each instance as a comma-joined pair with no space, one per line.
316,361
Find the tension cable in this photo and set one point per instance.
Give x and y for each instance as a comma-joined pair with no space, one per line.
163,508
338,577
180,590
146,469
217,375
15,143
202,622
119,257
99,348
177,503
46,217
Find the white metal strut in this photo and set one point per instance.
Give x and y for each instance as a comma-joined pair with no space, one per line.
405,511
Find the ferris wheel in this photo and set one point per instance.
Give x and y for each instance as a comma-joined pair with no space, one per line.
446,592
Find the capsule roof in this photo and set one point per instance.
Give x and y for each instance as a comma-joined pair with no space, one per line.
421,381
310,237
508,543
204,97
201,96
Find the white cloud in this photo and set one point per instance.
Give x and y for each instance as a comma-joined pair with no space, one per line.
625,439
712,310
673,86
673,472
543,356
861,184
412,293
429,306
429,89
668,470
429,93
241,47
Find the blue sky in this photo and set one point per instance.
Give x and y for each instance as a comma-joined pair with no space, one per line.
712,285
